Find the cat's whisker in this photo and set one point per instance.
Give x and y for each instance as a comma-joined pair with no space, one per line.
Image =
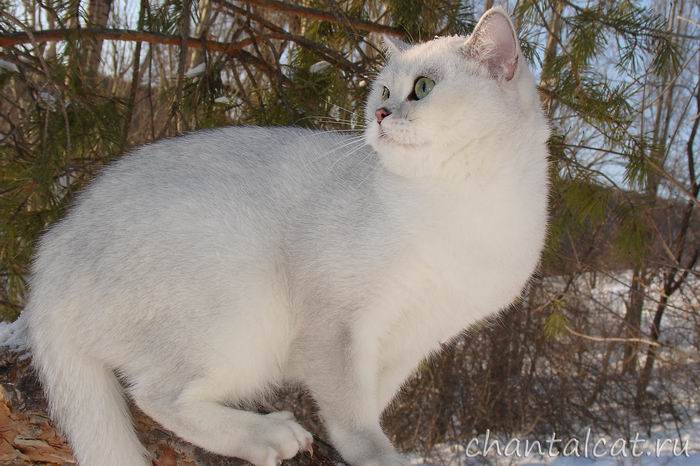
351,123
354,119
351,184
349,146
351,142
369,175
346,156
346,124
343,130
351,112
324,119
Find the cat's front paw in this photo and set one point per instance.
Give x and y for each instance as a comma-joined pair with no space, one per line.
367,448
277,437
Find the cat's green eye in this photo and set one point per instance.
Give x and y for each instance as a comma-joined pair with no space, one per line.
385,93
423,87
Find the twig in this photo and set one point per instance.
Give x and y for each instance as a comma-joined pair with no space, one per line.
313,13
9,40
610,339
232,48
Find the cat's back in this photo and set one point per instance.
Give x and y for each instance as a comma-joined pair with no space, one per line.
207,187
214,168
231,157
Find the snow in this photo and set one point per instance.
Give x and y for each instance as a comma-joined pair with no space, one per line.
319,67
8,66
196,71
47,98
223,100
13,335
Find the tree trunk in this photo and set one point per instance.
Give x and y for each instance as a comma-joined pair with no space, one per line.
633,320
550,52
98,14
206,18
182,64
674,278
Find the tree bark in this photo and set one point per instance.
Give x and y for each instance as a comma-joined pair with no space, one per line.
135,78
98,12
633,320
181,124
206,18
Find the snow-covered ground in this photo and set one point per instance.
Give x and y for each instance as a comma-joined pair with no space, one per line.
607,294
665,447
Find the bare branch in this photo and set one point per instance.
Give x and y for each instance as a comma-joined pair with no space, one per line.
610,339
9,40
313,13
232,48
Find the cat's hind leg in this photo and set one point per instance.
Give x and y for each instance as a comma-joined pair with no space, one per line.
264,440
191,392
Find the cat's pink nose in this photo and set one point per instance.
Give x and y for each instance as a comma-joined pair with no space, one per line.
381,113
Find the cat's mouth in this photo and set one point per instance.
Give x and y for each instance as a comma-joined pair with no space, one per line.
385,138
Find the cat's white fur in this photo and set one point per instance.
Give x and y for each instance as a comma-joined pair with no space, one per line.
205,269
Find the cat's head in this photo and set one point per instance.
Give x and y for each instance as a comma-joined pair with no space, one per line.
439,100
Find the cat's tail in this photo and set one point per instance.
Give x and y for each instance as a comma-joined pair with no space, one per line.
85,397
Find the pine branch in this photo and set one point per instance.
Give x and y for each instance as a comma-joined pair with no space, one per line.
231,48
327,53
320,15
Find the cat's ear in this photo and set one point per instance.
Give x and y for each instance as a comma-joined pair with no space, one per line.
393,45
493,43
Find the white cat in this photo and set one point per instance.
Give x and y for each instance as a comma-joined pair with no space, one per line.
205,269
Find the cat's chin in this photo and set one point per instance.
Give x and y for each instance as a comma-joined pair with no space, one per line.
385,142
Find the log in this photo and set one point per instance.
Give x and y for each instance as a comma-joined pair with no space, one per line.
28,436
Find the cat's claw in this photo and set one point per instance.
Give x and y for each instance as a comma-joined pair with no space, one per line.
273,459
